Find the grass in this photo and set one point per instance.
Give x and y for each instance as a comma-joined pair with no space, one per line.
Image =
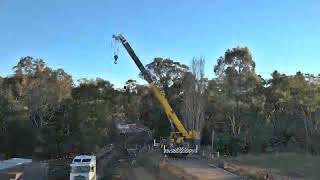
284,164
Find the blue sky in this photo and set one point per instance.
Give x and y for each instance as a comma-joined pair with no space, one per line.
75,34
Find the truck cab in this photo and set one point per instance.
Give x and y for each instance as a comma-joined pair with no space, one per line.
83,167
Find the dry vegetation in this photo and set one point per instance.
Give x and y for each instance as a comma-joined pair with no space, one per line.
292,165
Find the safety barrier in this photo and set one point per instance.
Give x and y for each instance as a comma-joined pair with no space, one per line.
179,150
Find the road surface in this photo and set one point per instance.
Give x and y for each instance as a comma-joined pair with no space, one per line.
174,168
200,169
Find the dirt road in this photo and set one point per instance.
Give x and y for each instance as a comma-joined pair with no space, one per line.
173,168
128,171
200,169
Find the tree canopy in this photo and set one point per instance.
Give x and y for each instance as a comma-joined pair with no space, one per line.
44,112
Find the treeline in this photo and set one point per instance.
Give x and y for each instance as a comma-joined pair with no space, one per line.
43,112
250,113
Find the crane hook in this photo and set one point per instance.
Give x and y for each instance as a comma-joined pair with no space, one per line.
115,59
115,48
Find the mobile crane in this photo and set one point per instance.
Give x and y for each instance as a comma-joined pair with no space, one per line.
181,141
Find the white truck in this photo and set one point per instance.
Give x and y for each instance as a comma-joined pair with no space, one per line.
83,167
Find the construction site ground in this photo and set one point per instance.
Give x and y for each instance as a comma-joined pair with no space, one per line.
154,166
200,169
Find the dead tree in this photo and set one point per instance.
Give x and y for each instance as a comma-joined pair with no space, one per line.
193,96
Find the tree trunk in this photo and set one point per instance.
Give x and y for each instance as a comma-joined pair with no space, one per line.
308,140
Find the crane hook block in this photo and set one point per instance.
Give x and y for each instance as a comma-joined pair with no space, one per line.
115,59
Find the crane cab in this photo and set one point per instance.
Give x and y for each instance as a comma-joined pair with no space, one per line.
83,167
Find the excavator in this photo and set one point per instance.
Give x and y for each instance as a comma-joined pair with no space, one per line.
181,141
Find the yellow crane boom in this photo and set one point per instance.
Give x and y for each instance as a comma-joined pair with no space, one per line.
155,90
168,110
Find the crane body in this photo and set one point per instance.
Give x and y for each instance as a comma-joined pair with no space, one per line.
179,140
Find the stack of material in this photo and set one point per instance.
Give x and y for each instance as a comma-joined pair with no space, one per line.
132,128
134,136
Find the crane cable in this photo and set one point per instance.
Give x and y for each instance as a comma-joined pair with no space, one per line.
115,50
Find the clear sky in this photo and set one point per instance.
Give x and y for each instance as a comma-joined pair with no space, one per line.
75,34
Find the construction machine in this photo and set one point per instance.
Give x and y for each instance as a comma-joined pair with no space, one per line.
83,167
181,141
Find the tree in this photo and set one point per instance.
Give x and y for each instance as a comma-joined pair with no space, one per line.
303,100
291,105
235,59
39,88
132,99
236,96
153,116
62,118
168,76
58,128
238,82
194,96
165,72
3,114
1,86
